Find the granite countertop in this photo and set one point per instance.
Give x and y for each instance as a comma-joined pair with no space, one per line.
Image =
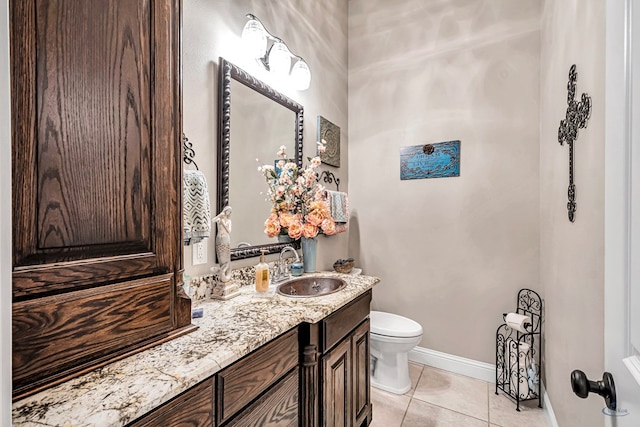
119,393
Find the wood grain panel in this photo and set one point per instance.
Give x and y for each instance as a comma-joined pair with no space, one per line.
54,333
337,388
96,141
23,129
309,386
361,378
93,122
33,280
97,182
278,407
193,408
337,325
243,381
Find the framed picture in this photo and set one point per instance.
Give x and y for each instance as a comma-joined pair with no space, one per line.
331,134
439,160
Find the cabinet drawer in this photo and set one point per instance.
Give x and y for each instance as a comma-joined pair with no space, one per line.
246,379
192,408
277,407
337,325
57,335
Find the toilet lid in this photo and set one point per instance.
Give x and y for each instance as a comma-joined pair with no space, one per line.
392,325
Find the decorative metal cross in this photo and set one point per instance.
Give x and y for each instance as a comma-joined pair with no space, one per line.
576,118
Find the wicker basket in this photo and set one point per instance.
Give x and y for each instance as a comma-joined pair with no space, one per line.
343,265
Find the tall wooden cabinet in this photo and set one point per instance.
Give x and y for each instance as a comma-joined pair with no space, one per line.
97,184
345,384
335,367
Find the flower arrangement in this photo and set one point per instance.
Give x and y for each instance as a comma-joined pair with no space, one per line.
300,208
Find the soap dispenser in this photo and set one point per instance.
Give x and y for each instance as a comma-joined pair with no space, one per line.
262,274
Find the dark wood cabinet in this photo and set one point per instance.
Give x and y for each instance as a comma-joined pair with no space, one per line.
193,408
335,367
241,383
345,381
97,184
278,407
361,393
337,386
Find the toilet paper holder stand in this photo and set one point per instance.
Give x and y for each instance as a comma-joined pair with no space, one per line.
526,325
518,351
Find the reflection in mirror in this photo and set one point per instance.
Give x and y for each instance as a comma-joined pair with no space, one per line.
253,121
258,127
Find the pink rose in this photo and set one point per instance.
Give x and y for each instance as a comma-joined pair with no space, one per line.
286,218
309,230
272,226
329,227
295,230
314,219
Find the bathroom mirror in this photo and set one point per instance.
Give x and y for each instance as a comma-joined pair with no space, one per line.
254,120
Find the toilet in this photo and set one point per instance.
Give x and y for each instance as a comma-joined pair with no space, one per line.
392,337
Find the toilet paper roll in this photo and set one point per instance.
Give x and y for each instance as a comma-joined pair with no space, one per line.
518,322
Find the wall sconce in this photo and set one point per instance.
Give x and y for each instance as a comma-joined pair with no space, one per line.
276,59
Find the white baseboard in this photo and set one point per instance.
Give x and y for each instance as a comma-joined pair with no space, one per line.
548,409
474,369
456,364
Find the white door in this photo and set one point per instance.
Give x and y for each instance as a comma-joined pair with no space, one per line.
622,210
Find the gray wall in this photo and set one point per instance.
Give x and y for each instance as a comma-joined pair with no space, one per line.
452,253
5,221
316,30
572,255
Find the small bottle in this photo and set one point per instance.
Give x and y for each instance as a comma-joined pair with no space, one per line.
262,274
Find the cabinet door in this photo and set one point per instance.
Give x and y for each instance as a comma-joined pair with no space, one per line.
97,174
337,387
361,362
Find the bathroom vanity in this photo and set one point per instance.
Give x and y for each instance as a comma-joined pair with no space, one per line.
253,361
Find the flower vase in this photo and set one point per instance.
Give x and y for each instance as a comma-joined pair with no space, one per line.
284,238
309,252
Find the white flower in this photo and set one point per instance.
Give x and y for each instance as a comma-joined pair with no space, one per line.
322,146
283,151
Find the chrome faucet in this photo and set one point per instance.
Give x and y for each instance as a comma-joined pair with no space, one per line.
281,272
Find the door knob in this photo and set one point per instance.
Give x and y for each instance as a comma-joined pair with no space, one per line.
606,388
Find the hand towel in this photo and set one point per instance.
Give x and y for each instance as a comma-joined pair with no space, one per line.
196,211
338,206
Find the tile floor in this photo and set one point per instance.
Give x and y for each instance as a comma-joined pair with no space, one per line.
443,399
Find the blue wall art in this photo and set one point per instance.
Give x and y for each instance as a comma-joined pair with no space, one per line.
439,160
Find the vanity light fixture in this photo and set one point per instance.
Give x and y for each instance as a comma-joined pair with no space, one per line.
277,58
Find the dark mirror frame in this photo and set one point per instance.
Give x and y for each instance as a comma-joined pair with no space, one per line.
226,72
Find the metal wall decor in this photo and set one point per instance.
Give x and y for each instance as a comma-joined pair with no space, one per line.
578,112
331,135
188,151
329,178
439,160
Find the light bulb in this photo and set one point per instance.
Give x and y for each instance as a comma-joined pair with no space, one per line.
301,75
279,59
254,38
